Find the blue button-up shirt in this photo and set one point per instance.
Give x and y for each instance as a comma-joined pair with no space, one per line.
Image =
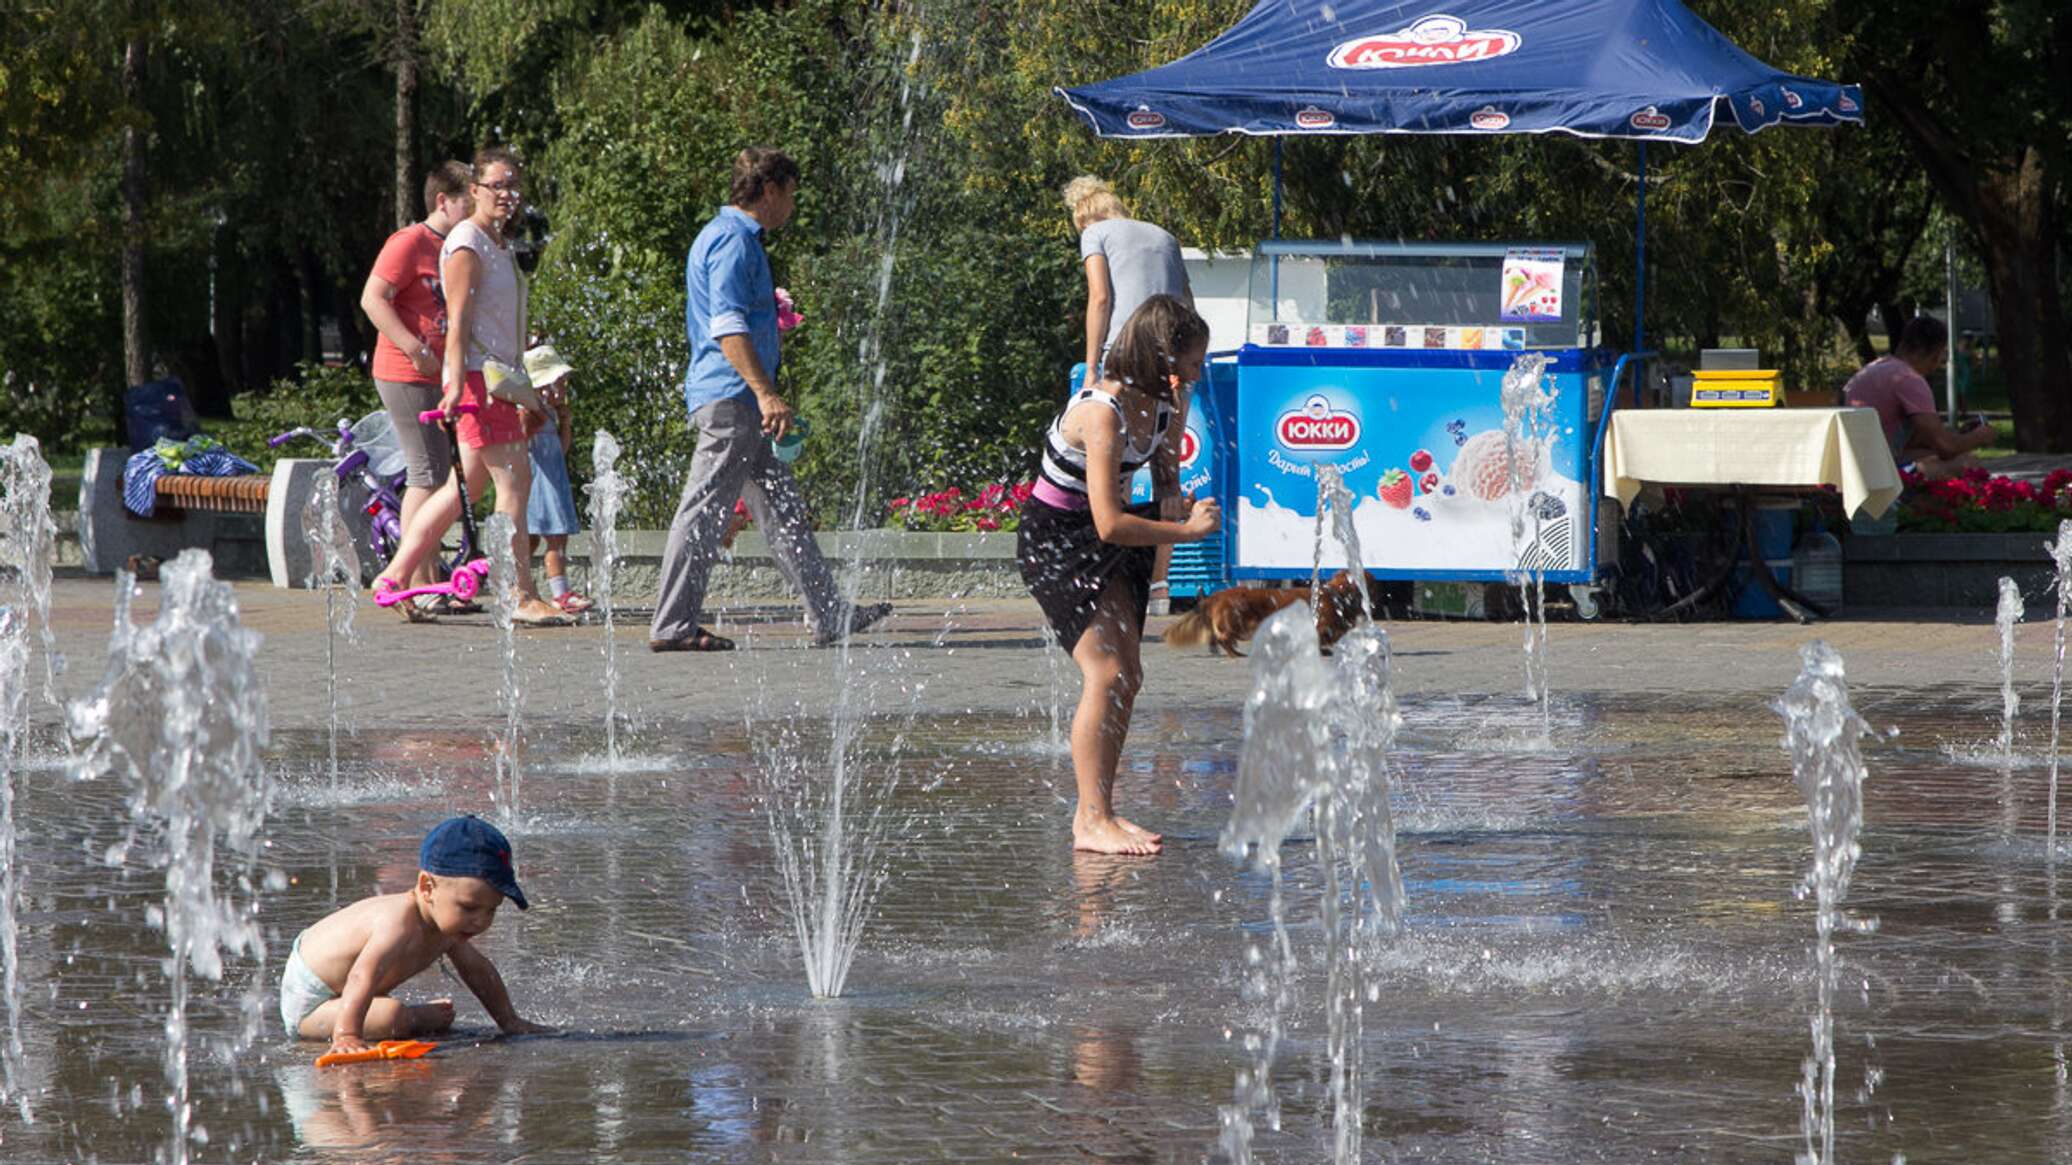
728,292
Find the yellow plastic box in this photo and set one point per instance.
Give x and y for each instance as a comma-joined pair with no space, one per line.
1737,388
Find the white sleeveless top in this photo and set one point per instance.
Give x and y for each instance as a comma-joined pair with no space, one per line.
499,303
1064,466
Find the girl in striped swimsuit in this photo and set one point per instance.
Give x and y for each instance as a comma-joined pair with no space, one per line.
1087,557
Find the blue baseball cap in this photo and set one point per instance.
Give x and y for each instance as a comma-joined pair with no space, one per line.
469,847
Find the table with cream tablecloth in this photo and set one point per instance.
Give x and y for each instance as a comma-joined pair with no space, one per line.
1844,448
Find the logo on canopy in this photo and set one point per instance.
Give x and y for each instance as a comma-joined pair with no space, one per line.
1845,103
1145,117
1793,100
1650,119
1434,40
1317,427
1489,117
1314,118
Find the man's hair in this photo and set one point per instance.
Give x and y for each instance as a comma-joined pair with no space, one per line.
488,156
756,169
1922,336
1091,200
448,178
1150,344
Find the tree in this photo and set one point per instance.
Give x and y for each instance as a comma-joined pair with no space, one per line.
136,343
1984,104
403,58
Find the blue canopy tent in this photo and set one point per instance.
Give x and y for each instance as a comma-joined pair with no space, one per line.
1648,70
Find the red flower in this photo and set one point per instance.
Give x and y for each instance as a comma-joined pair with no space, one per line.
900,503
987,524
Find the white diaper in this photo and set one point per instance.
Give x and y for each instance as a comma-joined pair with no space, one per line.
301,991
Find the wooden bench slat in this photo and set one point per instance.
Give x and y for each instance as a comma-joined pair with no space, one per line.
242,494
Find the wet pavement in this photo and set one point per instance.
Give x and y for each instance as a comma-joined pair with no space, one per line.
1604,957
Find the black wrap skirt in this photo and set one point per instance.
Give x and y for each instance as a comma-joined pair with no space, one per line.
1067,566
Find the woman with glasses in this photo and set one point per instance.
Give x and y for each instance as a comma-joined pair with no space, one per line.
485,308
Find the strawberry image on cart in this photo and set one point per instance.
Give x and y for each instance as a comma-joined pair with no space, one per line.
1395,489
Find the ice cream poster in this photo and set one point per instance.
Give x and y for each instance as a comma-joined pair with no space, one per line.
1440,489
1532,285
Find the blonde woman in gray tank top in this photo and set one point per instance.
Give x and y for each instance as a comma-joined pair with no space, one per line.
1128,262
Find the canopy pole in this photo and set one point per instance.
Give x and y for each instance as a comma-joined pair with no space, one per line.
1640,258
1276,187
1274,265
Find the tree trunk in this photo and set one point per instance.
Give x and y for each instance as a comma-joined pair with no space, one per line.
306,294
2018,222
228,306
1893,314
136,341
407,192
2007,201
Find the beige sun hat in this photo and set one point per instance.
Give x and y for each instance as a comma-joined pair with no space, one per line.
544,366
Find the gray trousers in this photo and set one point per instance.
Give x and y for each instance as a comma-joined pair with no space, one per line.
733,460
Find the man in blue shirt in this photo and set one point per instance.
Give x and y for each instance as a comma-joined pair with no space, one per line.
730,314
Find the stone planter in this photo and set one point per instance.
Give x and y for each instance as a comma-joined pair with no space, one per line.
894,564
1943,570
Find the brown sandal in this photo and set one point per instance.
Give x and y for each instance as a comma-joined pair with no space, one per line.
408,608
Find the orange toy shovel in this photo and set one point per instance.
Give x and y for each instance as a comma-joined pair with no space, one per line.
385,1050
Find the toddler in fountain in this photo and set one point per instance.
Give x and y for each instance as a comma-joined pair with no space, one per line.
339,975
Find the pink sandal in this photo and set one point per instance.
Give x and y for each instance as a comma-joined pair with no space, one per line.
574,602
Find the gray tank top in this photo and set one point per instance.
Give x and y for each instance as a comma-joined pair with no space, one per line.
1143,261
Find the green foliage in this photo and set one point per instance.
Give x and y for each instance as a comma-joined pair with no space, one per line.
319,397
60,329
967,349
931,253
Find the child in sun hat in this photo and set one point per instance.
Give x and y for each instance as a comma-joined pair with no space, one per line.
550,513
341,971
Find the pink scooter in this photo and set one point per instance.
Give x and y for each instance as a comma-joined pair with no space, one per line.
466,579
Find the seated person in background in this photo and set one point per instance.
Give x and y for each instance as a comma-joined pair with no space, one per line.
1897,387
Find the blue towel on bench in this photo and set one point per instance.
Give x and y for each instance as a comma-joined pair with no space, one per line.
200,456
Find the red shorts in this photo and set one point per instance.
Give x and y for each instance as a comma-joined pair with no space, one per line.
495,422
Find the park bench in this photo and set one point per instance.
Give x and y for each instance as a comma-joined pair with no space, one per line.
250,524
244,494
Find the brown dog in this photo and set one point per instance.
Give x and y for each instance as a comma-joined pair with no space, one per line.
1235,613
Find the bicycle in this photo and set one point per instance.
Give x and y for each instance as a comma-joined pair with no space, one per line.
366,454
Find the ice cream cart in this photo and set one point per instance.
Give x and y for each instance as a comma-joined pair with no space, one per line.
1387,361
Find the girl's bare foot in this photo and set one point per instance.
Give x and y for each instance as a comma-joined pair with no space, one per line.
1107,836
1139,830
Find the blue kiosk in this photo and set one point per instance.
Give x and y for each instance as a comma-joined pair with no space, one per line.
1387,360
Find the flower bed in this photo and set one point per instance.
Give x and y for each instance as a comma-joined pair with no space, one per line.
1979,503
997,506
